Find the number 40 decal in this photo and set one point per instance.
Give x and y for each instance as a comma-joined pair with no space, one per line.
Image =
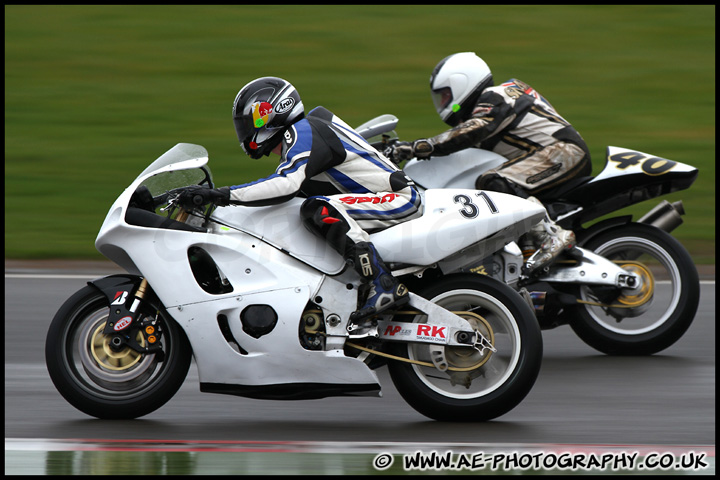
649,165
470,210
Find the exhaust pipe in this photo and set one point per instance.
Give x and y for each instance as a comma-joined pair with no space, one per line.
665,216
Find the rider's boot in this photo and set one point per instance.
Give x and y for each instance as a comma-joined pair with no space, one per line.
380,290
550,240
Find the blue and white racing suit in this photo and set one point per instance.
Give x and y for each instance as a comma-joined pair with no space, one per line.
351,188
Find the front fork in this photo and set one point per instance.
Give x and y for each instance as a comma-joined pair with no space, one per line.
125,294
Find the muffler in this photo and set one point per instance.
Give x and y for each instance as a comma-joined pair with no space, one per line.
665,216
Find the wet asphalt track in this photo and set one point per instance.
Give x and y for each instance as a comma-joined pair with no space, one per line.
581,397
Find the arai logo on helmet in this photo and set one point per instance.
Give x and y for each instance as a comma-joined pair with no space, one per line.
285,105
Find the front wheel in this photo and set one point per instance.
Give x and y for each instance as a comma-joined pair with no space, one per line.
667,302
108,383
478,385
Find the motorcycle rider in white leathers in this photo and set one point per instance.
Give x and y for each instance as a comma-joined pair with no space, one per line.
351,188
543,150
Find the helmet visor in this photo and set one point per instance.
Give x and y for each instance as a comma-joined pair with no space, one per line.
244,127
441,98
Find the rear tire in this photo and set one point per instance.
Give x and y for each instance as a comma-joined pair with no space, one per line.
674,300
104,383
502,379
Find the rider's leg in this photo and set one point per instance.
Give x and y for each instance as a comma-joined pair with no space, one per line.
380,290
549,239
546,240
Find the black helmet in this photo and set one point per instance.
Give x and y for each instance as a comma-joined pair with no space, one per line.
263,109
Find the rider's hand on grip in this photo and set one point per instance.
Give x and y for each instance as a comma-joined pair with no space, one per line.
197,196
422,149
400,151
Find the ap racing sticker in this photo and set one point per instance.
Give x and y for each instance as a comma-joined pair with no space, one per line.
418,332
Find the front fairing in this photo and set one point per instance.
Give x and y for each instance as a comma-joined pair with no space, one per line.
183,165
257,274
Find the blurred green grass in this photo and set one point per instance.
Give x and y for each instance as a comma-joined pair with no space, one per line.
94,93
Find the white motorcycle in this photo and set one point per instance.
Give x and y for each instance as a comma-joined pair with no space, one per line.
635,290
263,305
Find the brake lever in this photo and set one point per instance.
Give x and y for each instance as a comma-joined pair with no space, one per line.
172,201
160,199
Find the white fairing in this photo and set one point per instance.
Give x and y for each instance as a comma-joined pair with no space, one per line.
260,275
448,224
461,169
457,170
623,161
281,226
271,259
454,220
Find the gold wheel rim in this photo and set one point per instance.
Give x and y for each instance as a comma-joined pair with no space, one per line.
110,359
464,357
646,290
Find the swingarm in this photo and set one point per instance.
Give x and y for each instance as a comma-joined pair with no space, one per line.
444,327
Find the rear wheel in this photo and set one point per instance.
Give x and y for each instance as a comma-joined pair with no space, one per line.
652,316
479,384
107,382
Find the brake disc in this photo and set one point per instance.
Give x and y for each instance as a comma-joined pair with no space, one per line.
636,300
107,357
465,361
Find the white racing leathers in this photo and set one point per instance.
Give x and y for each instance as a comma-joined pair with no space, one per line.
515,121
352,188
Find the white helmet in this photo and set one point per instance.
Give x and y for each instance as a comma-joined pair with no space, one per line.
456,83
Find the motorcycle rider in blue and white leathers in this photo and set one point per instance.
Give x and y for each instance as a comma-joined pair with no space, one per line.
351,188
543,150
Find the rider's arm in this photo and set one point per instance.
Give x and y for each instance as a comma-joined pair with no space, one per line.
279,187
309,148
491,115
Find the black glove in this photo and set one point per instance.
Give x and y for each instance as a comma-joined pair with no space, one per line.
197,196
400,151
421,149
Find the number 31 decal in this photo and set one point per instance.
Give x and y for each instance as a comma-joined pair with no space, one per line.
470,210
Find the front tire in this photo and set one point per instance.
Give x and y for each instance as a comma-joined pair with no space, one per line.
486,385
661,322
105,383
